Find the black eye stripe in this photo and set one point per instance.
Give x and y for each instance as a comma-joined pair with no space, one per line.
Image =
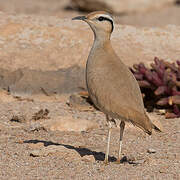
101,18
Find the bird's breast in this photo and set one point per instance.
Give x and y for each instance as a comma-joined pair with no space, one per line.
110,84
98,84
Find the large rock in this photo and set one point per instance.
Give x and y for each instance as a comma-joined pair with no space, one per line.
34,7
69,124
120,6
40,54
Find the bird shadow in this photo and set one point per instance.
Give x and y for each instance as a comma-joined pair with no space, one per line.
99,156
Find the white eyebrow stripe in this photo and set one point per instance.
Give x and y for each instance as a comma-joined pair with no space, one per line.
105,15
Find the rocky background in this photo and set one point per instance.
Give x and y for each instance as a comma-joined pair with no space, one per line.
48,130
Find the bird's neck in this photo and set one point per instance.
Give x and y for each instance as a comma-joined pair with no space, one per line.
102,43
101,38
101,47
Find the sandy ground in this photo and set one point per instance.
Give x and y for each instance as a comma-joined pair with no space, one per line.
19,139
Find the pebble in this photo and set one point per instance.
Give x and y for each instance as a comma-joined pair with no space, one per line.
151,151
162,111
36,145
88,158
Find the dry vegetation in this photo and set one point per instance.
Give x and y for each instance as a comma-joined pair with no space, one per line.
160,85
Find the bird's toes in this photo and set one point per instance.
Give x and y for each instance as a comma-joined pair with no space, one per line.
118,161
106,162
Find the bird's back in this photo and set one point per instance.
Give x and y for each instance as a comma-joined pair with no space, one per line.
113,88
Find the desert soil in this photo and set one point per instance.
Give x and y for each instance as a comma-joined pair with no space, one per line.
83,153
28,150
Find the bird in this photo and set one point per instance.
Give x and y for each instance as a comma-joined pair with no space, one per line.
111,86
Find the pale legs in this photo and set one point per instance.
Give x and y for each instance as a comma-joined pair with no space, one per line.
122,126
108,141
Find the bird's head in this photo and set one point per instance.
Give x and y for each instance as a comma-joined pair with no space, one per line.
100,22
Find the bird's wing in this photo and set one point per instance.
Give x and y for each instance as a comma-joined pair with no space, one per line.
117,92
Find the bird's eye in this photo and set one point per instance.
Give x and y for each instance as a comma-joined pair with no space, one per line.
100,18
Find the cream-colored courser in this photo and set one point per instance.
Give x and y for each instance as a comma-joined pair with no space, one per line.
111,85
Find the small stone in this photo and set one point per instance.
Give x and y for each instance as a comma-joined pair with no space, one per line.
101,169
35,127
36,145
79,102
163,169
161,111
20,141
36,153
19,118
151,151
41,114
88,158
140,161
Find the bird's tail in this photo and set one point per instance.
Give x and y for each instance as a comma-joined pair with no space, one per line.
156,128
143,121
153,124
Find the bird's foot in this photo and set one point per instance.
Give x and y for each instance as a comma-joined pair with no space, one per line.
106,162
118,161
121,160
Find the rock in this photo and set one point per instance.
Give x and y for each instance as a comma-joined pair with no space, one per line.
35,7
178,2
41,114
140,161
36,145
122,6
88,158
69,124
37,81
35,127
36,153
79,102
164,169
46,151
68,154
160,111
151,151
19,118
52,59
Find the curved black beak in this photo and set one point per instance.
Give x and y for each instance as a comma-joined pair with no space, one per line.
79,18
